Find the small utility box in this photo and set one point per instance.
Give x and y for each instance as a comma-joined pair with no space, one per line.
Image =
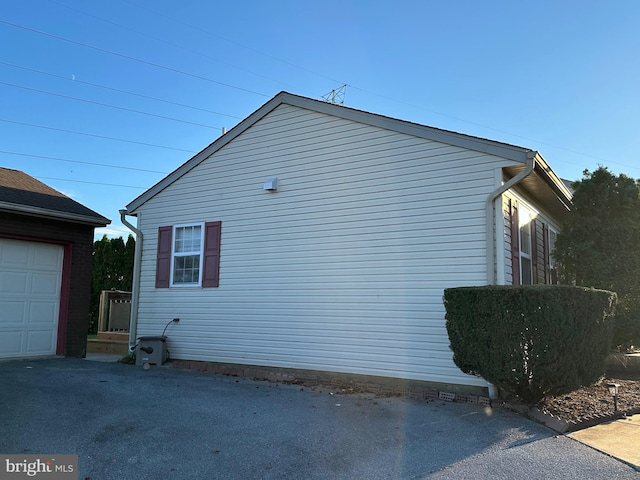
151,350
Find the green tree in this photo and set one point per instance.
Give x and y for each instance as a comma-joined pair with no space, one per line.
112,270
599,244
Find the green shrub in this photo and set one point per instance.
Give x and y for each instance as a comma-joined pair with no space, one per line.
626,333
531,341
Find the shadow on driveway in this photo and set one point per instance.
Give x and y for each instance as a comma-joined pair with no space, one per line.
125,422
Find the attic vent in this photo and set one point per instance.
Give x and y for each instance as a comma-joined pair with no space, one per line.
271,184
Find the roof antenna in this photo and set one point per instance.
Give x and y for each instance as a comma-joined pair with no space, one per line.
336,96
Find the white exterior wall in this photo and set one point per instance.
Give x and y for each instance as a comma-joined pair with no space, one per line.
343,269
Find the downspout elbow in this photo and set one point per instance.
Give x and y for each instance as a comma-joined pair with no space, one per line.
135,287
125,222
491,229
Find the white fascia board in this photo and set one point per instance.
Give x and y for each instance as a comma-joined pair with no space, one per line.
53,214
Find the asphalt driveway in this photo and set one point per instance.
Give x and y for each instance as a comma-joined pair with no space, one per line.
125,422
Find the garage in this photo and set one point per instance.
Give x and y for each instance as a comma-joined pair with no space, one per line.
46,258
30,287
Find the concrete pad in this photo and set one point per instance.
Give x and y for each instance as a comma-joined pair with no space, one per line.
618,439
103,357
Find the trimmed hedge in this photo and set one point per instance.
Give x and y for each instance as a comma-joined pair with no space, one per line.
531,341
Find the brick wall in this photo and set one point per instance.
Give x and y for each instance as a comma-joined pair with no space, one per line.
78,240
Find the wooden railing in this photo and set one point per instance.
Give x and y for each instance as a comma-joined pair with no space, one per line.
115,311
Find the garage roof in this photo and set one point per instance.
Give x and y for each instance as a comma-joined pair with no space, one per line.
21,193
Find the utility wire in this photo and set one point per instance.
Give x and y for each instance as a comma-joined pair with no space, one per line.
107,105
96,136
92,183
470,122
79,161
128,57
202,30
264,95
166,42
105,87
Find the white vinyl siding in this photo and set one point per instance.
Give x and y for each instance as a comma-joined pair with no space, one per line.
343,268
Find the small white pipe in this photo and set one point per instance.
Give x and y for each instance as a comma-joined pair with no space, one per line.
135,287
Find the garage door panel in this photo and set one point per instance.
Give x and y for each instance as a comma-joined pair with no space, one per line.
13,282
45,284
13,312
30,286
46,257
40,342
14,253
11,343
43,313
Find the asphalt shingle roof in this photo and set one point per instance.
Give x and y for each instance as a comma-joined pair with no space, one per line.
21,190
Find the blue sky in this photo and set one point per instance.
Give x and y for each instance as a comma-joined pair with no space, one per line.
101,100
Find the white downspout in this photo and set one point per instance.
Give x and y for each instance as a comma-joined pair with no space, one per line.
490,209
491,239
135,287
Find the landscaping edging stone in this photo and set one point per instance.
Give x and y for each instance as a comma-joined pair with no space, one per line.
560,425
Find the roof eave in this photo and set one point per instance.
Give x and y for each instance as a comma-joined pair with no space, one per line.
490,147
544,184
98,221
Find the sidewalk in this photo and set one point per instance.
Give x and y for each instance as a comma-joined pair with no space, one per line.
620,439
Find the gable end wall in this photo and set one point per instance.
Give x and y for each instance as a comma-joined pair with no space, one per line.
343,268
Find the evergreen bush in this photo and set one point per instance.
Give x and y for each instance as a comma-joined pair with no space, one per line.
531,341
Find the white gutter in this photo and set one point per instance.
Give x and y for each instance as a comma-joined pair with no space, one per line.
135,287
491,240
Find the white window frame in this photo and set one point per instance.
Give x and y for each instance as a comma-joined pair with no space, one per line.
199,252
525,219
552,266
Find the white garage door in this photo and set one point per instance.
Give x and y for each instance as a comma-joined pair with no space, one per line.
30,281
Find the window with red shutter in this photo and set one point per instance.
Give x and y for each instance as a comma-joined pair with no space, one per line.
185,258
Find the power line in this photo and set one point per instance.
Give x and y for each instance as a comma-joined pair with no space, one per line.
92,183
159,39
128,57
84,82
96,136
107,105
492,128
195,27
264,95
81,162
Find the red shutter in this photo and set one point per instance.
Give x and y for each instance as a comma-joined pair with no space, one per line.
163,260
211,262
515,246
534,251
545,252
